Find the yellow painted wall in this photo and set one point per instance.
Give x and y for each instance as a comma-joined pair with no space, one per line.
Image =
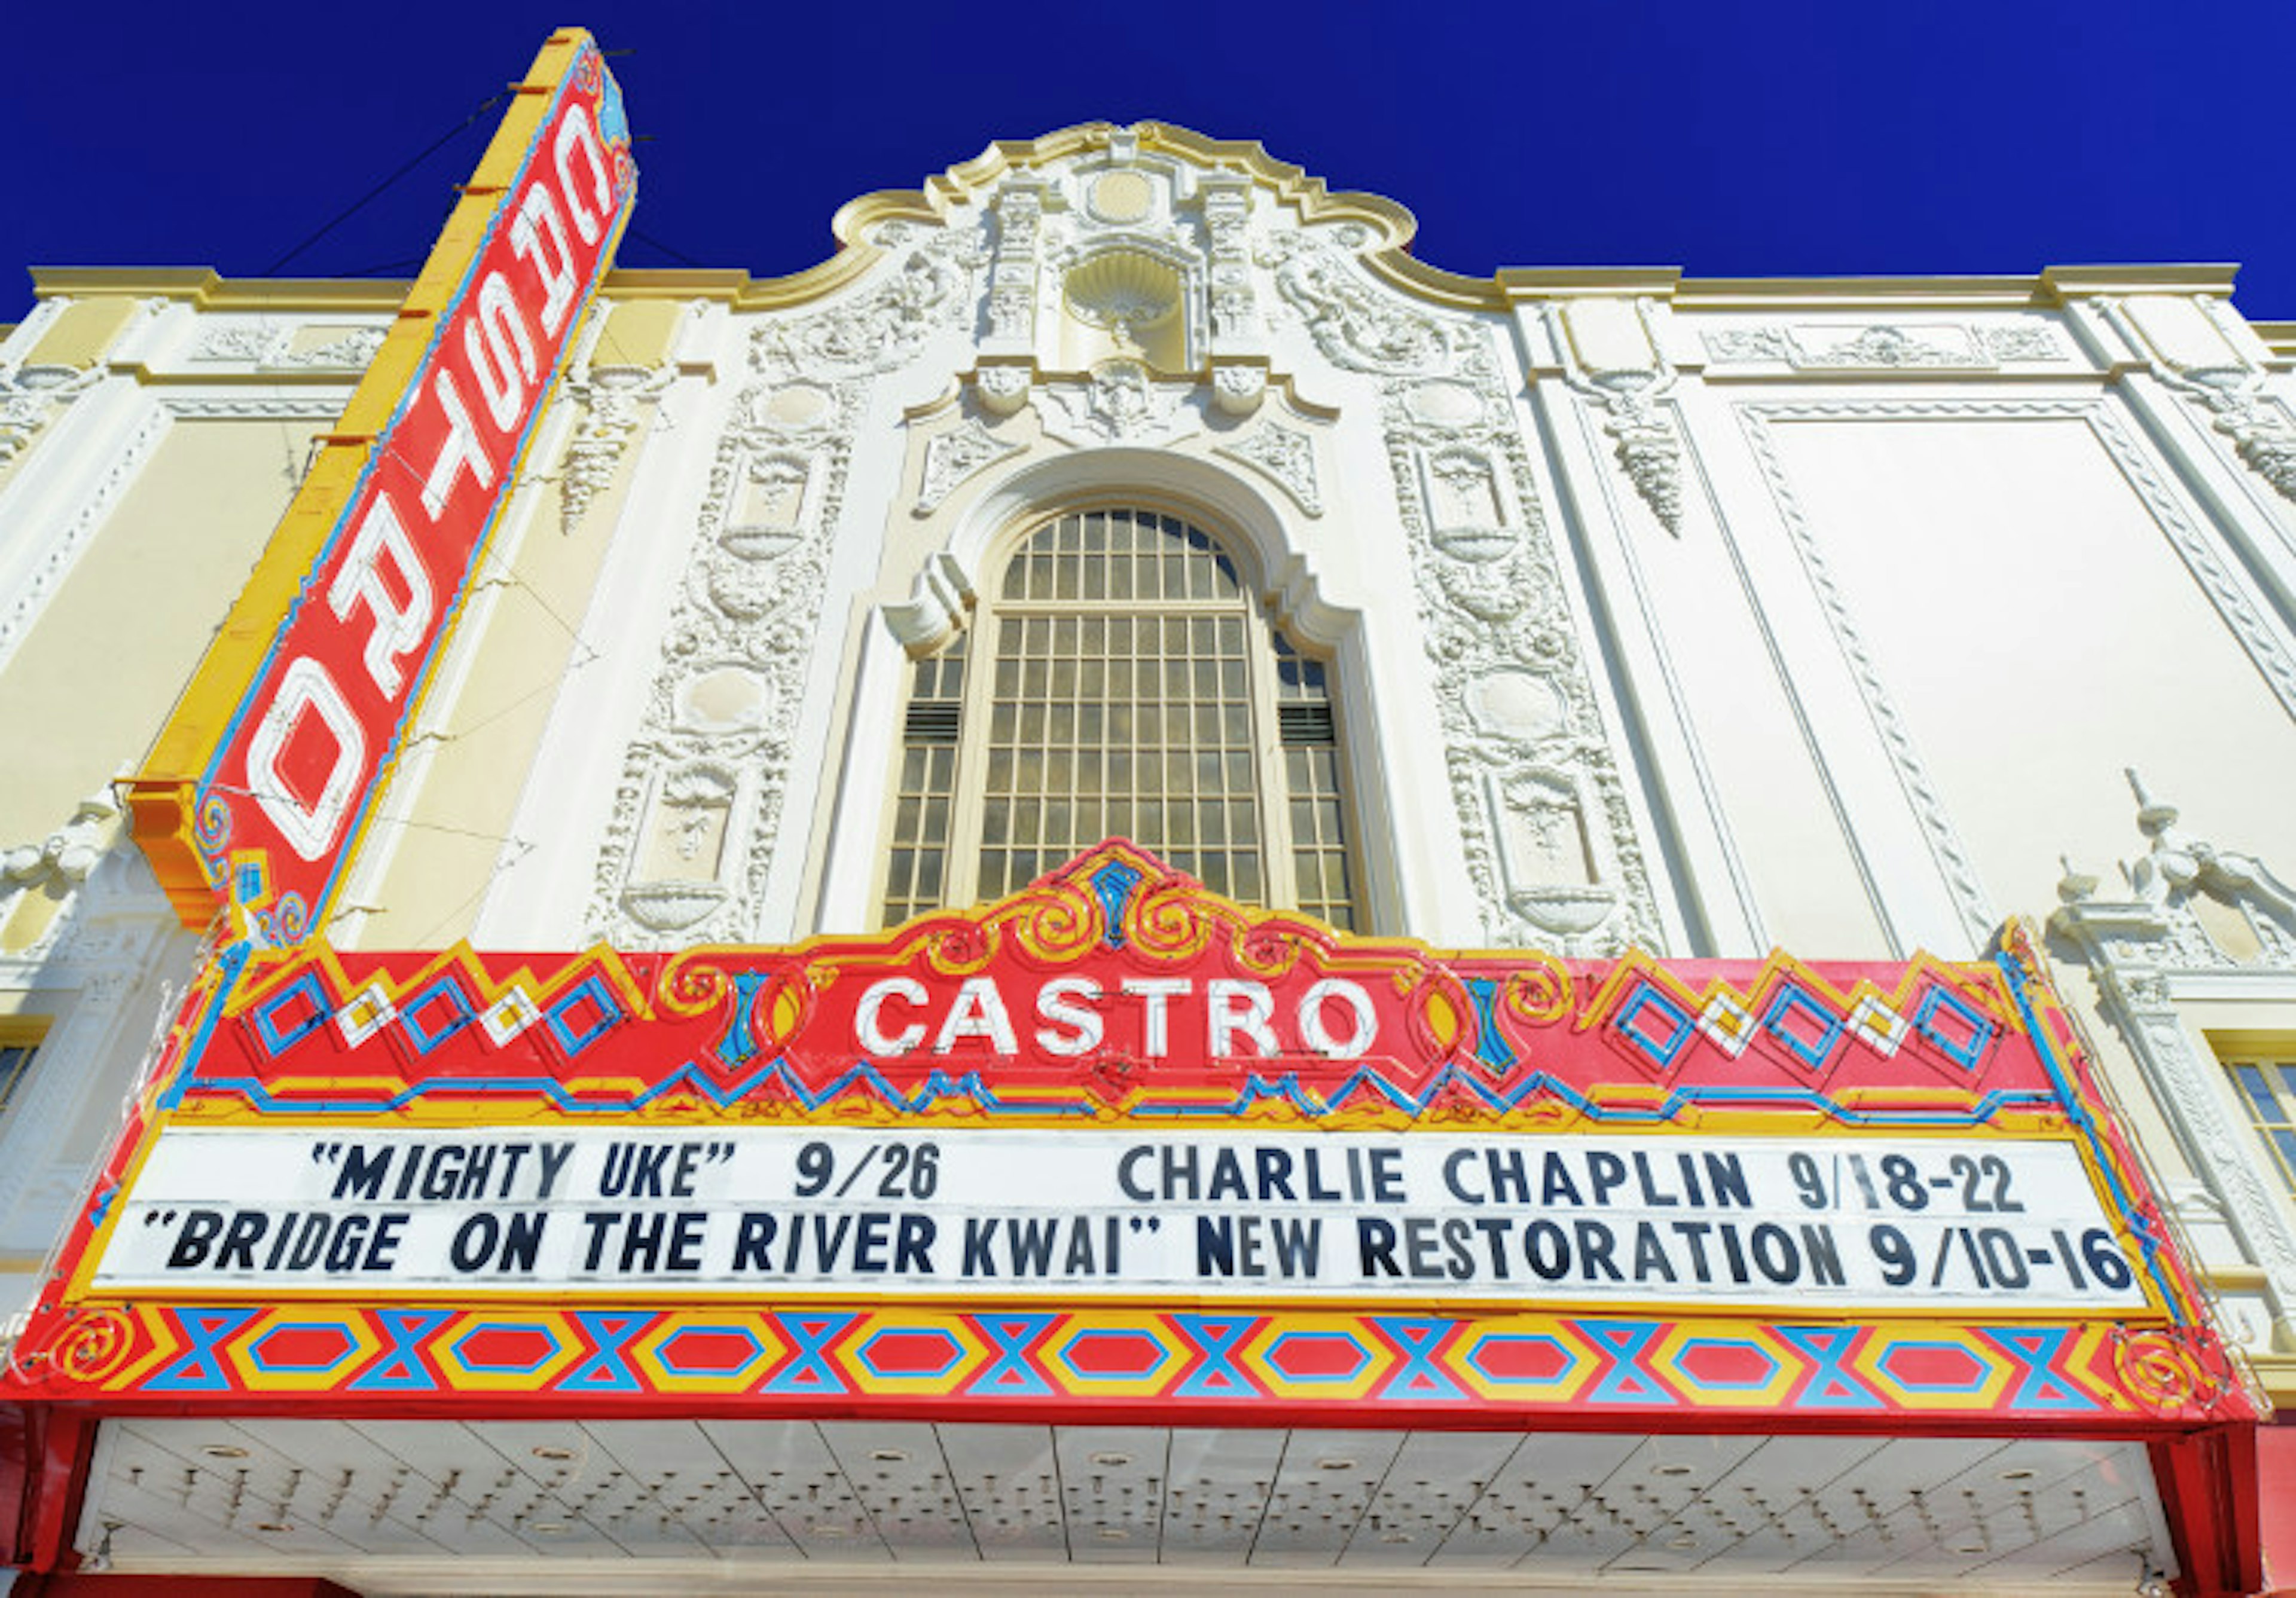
88,687
82,332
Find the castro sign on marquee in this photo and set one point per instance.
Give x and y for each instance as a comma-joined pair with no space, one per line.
292,720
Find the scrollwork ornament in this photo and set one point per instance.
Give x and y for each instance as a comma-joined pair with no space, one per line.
93,1343
1285,454
959,948
955,455
928,289
1170,922
2167,1370
1539,994
1268,950
1057,924
695,982
1356,327
1119,403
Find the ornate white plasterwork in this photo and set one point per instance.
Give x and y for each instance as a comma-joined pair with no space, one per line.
2155,947
1642,435
952,456
2263,433
1121,402
1549,834
1238,389
1286,456
269,345
1648,448
1228,214
1886,347
2202,557
1003,389
693,827
1020,212
2214,375
1359,325
30,399
62,859
611,399
927,289
2012,341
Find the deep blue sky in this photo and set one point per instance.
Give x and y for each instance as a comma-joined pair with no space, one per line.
1856,136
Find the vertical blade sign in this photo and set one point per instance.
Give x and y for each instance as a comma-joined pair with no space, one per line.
292,774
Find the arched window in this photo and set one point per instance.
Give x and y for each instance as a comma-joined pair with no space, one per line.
1120,681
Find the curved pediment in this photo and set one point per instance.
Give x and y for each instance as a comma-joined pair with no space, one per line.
1071,163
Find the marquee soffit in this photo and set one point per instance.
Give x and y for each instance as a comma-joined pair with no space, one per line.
1388,255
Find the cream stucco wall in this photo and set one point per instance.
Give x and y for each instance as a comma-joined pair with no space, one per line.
94,675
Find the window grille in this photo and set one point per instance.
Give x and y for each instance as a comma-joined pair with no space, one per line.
1123,685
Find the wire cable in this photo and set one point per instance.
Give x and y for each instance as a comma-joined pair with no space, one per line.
650,243
364,200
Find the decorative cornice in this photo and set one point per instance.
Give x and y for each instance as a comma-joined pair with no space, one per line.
1774,294
205,289
1388,258
2073,282
1602,283
2278,336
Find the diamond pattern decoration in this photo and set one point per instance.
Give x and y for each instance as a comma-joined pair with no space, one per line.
508,1016
1727,1023
1450,1365
1878,1026
365,1014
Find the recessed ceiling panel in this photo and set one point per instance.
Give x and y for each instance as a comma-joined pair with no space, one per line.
447,1507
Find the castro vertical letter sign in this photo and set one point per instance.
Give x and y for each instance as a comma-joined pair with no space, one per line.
284,739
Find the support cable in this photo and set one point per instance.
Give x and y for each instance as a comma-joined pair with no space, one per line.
484,106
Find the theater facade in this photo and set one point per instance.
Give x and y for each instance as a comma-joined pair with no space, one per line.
1126,881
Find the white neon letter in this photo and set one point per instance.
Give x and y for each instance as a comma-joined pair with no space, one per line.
978,1013
1312,1031
1155,1025
537,214
397,629
1224,1020
505,331
309,831
460,449
871,1038
1054,1003
575,130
